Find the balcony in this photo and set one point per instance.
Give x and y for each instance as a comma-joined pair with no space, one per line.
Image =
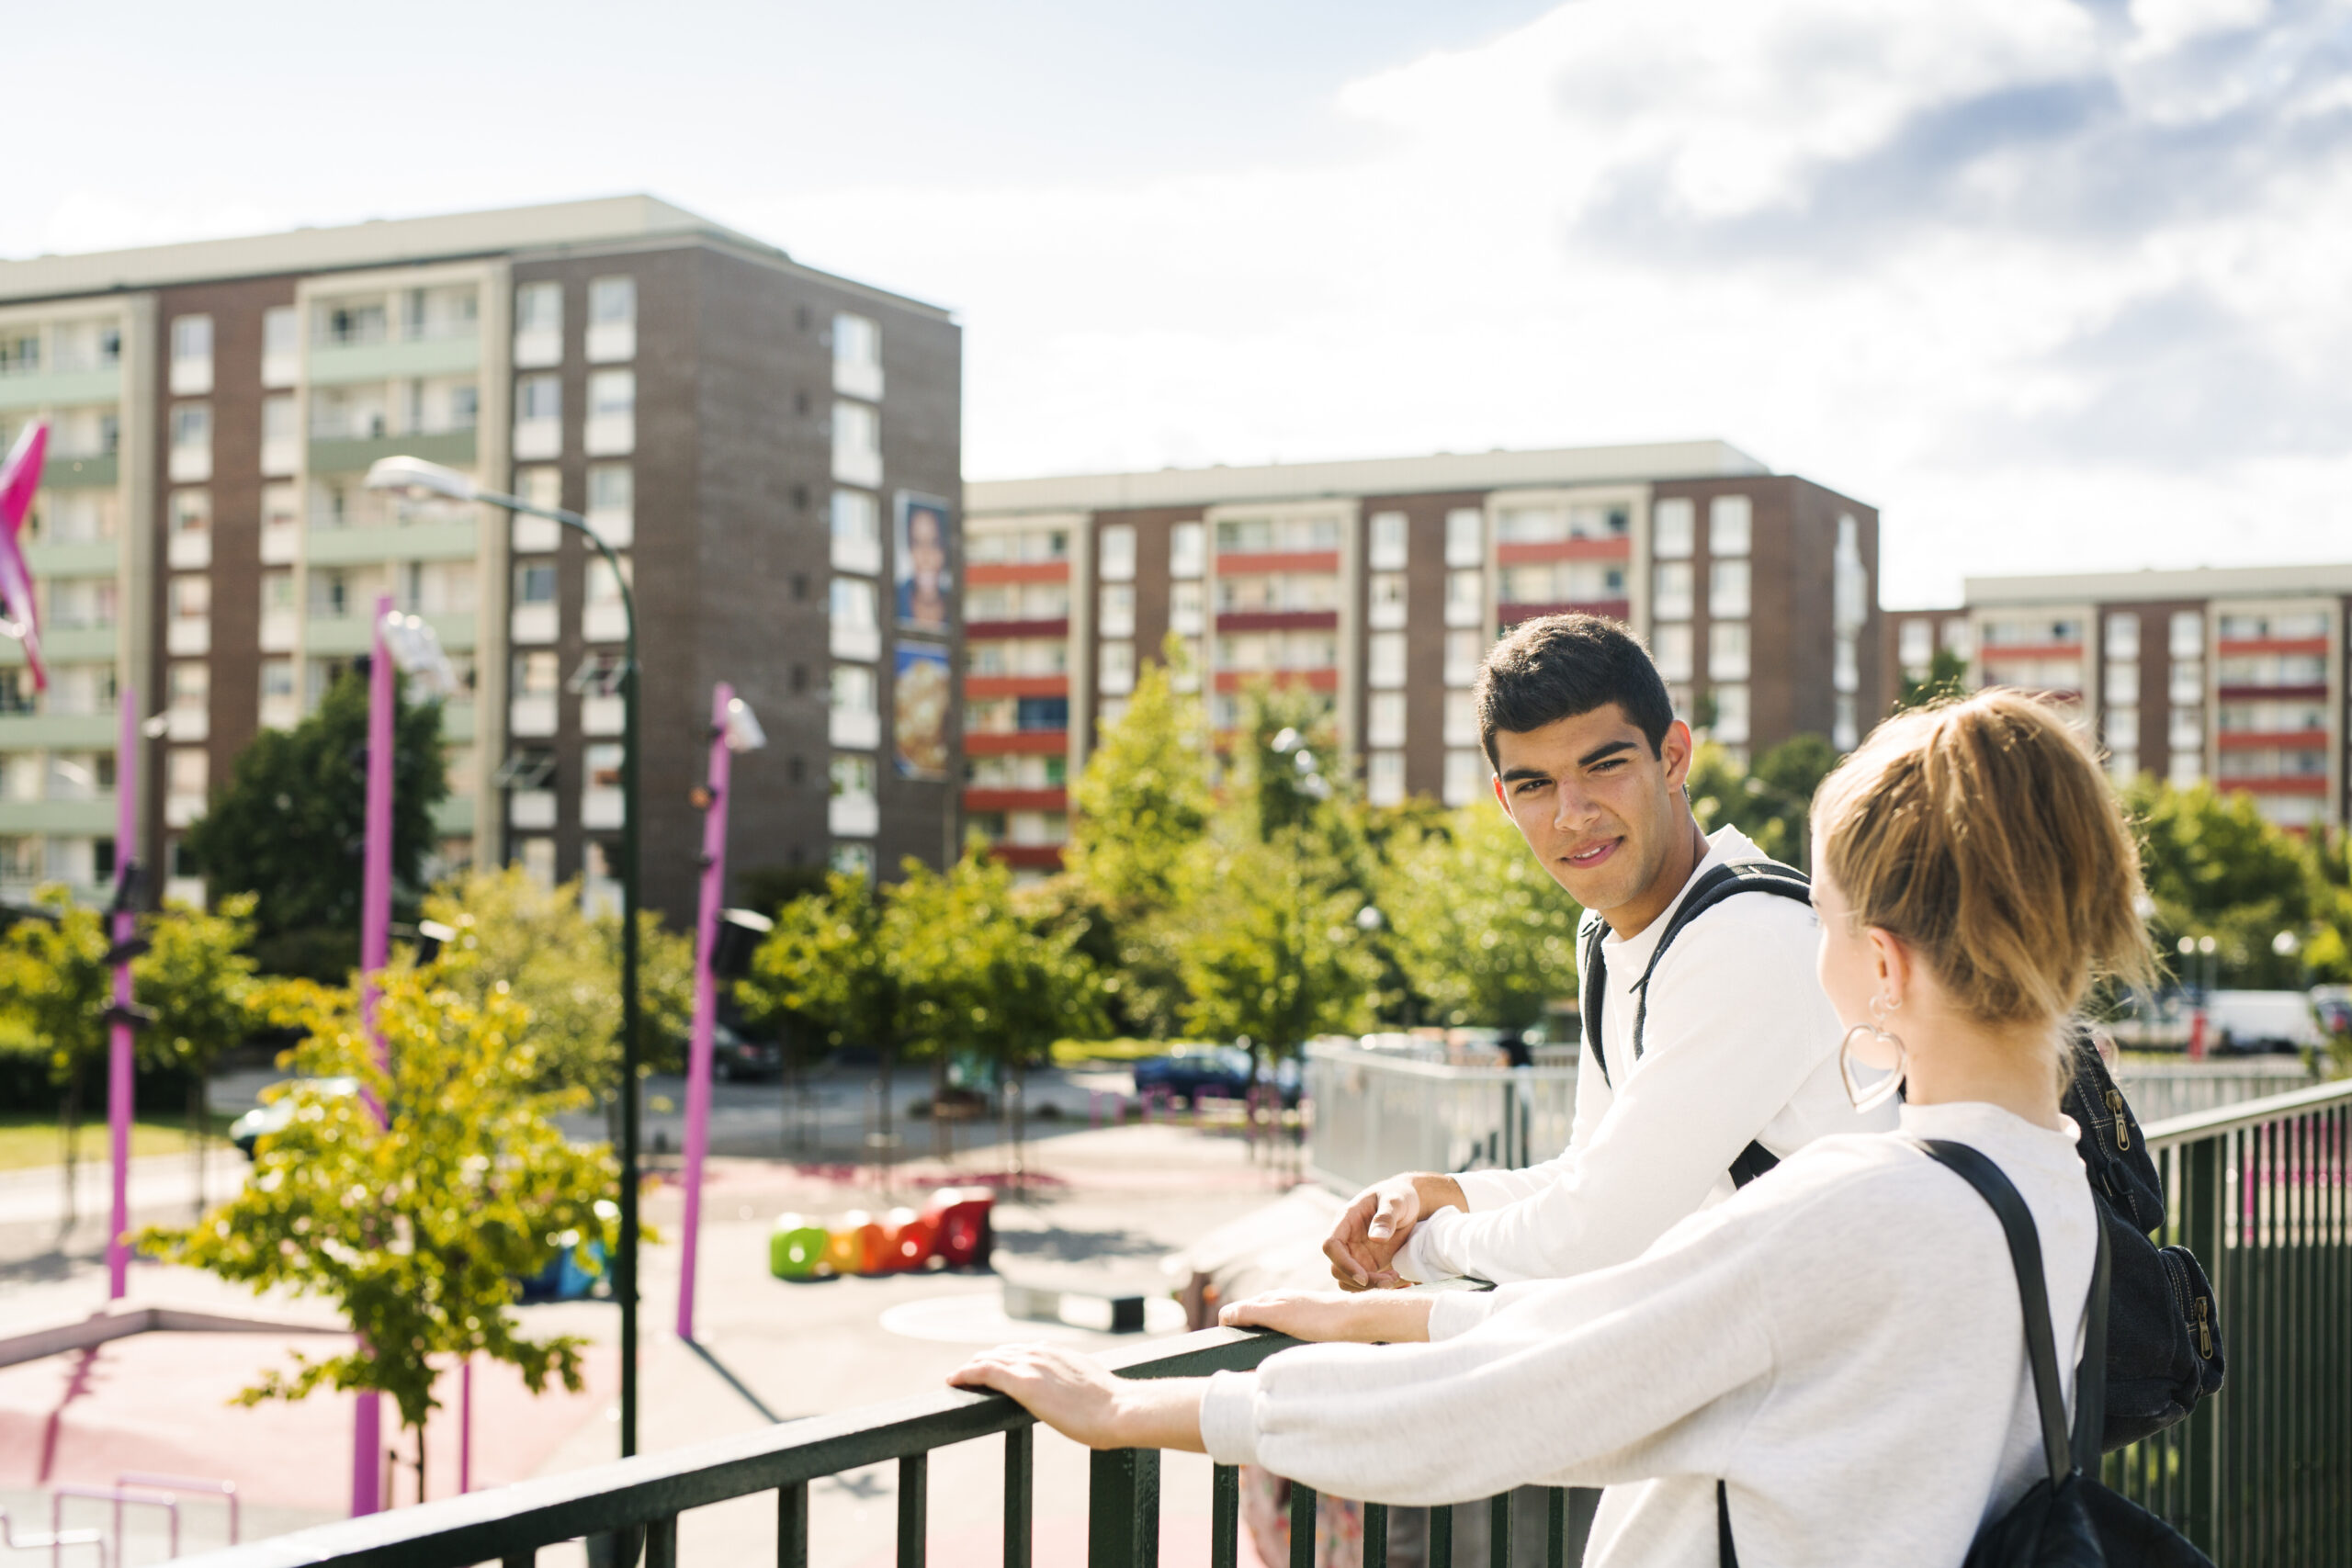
62,472
330,634
978,687
980,574
1015,742
393,359
1537,553
77,557
997,631
94,816
357,454
981,799
853,815
61,388
1253,563
1509,616
1325,679
1277,620
414,541
1028,857
2258,1189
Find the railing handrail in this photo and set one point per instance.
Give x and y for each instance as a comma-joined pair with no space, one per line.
515,1519
2199,1124
1413,1067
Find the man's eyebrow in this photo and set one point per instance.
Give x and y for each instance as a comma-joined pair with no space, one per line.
1605,750
1513,775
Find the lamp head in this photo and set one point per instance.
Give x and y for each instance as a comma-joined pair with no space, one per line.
743,731
416,653
418,478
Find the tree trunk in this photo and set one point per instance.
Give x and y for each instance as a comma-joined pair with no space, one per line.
69,1118
197,1139
942,1146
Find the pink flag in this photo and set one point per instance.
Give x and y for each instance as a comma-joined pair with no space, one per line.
19,477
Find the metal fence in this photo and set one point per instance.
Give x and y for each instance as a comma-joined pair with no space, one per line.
1376,1115
2161,1090
2261,1474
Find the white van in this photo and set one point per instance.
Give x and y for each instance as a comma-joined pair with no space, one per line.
2256,1022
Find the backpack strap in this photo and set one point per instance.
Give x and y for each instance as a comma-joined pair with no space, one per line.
1592,990
1728,880
2033,1294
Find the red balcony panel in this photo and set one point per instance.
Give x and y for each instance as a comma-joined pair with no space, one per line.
1016,800
975,631
2273,739
1313,680
1615,609
1279,621
2256,693
2229,646
1029,857
1998,650
978,686
1563,550
1017,742
1246,563
977,572
2290,783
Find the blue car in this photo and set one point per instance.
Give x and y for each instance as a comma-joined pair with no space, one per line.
1190,1071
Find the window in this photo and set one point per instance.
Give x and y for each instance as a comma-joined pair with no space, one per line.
1727,588
2123,635
854,720
1187,549
612,413
189,545
186,779
1670,647
1465,651
1390,535
857,357
605,605
1118,617
281,435
1672,529
856,631
1466,598
1385,592
191,356
1670,592
1385,666
1465,536
281,345
351,322
20,351
612,503
2187,635
1915,647
857,444
612,320
1119,562
190,598
1187,614
1465,777
191,459
538,325
535,582
1042,713
1384,720
1845,727
1727,650
1731,714
1845,664
1384,778
1730,521
2122,728
539,416
2122,681
1115,668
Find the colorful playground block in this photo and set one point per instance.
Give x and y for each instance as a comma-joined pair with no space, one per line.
951,1231
796,1248
908,1239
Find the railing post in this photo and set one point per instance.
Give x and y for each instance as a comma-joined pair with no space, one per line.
1122,1509
2203,1192
1499,1523
914,1508
1225,1516
1375,1535
1442,1536
1302,1525
792,1526
1020,1495
662,1543
1556,1526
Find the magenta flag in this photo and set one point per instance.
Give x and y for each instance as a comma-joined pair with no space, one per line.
19,477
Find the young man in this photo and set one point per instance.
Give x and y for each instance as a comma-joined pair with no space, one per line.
1737,1045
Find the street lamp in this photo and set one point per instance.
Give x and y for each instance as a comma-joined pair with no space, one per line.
414,475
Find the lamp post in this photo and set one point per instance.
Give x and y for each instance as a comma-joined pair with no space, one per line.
417,477
733,727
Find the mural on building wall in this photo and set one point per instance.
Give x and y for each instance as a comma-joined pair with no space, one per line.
921,563
920,696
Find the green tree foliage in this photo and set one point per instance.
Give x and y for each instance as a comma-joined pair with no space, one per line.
564,967
1271,950
418,1226
1769,802
824,972
197,978
291,826
1946,676
1482,932
2216,868
55,985
978,971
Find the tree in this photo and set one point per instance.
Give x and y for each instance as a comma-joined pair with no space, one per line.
2215,867
1272,951
422,1224
198,979
824,972
1771,802
291,824
563,966
1482,932
1946,676
55,981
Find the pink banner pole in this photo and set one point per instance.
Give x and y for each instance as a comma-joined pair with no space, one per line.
714,880
120,1063
375,952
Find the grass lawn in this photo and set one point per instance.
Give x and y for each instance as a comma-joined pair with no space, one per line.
36,1140
1084,1053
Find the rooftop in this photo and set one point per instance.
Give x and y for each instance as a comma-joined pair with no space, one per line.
2198,582
1434,472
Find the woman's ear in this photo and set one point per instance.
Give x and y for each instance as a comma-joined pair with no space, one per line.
1890,956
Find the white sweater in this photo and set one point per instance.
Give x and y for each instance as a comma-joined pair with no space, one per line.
1740,1046
1841,1342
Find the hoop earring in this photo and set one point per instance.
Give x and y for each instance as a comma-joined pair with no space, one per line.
1879,1093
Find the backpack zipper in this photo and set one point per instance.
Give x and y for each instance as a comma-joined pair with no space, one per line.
2122,1130
2204,1328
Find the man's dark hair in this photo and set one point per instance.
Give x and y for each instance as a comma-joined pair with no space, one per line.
1557,667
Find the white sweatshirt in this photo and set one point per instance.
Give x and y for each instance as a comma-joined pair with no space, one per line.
1841,1342
1740,1046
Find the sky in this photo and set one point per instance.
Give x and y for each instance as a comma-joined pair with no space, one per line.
2057,284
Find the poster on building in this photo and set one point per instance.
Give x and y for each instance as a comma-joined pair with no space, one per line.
920,696
923,564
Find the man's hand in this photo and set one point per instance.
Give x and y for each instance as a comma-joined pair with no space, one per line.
1378,1222
1080,1399
1333,1314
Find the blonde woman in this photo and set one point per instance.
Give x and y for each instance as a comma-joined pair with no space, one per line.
1841,1344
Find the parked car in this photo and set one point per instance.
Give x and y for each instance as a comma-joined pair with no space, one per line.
272,1116
732,1056
2256,1022
1190,1071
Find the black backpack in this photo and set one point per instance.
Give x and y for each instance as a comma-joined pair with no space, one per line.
2068,1519
2163,1348
1727,881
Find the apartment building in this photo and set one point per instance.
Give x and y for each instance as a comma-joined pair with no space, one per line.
1380,584
741,428
2233,675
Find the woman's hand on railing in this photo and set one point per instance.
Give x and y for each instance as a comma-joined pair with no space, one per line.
1379,1317
1086,1402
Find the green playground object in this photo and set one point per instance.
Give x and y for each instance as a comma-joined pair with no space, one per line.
796,1249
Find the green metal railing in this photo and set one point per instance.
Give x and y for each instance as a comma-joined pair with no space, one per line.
2261,1473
